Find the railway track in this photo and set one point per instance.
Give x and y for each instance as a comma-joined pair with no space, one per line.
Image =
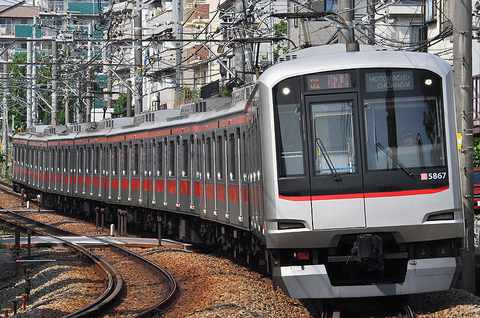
136,286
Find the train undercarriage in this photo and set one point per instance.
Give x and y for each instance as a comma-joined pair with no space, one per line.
207,235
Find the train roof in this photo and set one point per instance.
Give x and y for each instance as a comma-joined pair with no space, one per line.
198,112
321,59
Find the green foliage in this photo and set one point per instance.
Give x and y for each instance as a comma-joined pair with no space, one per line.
120,110
476,151
225,93
190,93
280,30
18,88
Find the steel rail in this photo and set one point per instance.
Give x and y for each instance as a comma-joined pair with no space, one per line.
115,281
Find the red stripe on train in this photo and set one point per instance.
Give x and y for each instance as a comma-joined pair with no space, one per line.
366,195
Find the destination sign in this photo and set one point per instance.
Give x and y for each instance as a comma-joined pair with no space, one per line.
328,81
394,80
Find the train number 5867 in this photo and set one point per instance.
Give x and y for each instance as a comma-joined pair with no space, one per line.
437,176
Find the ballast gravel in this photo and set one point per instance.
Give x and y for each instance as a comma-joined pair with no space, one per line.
209,286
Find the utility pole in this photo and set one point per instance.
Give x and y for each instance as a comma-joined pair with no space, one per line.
67,107
462,66
177,8
34,73
239,47
109,71
89,77
137,26
345,8
79,106
29,83
54,83
129,101
423,28
371,21
5,113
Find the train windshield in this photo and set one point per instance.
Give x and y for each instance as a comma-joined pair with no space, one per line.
378,130
290,150
403,127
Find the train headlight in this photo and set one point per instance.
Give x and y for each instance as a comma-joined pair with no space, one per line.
428,82
286,90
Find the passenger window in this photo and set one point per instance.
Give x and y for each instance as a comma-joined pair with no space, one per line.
73,161
231,157
96,161
143,149
244,161
52,164
80,160
208,158
65,160
159,161
35,159
219,157
199,159
171,157
124,160
88,160
185,158
115,161
135,159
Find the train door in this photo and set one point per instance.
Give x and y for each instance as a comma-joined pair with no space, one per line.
122,172
29,165
220,206
209,178
51,169
113,184
332,166
42,164
110,171
172,173
184,174
96,172
157,190
116,173
135,172
231,175
198,186
89,171
146,171
81,171
63,168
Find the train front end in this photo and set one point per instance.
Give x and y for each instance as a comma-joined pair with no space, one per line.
363,195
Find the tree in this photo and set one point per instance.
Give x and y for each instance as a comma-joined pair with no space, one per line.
280,30
120,110
18,84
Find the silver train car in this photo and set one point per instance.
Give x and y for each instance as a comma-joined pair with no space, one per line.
337,171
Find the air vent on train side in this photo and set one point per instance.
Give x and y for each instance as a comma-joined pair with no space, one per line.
200,107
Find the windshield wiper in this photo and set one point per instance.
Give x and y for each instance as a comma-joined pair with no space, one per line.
320,145
396,161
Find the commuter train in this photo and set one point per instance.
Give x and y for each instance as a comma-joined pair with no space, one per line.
337,171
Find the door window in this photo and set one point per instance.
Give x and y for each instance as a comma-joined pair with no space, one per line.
333,138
